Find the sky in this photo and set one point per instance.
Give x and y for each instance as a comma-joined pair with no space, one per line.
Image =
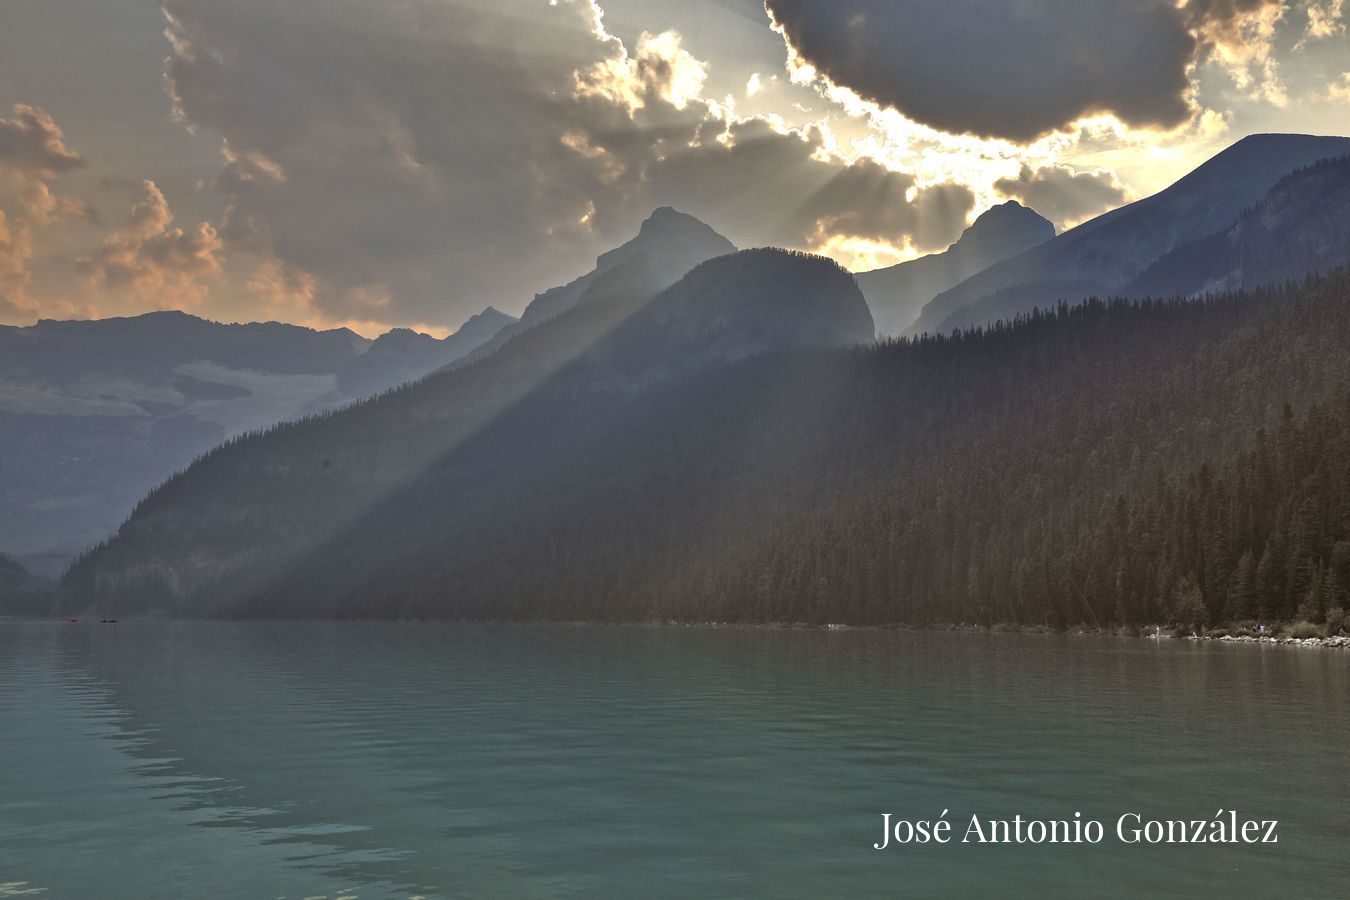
382,163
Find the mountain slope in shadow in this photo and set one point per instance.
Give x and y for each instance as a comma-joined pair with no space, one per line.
226,533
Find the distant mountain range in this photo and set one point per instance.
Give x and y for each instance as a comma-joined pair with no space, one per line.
404,355
985,477
686,431
94,414
1102,256
897,294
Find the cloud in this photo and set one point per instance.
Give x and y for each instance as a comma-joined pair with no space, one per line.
1021,70
1239,37
406,159
33,155
1325,20
660,69
31,144
1065,196
993,68
865,208
282,285
1339,90
16,248
759,182
153,260
416,162
45,207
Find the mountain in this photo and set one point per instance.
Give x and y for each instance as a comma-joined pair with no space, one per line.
898,293
20,592
93,414
672,242
1301,226
216,538
991,476
404,355
1099,257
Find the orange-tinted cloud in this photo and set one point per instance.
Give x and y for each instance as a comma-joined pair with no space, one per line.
153,260
16,248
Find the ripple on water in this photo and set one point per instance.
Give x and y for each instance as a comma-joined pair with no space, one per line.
378,759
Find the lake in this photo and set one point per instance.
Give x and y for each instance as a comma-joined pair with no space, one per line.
364,760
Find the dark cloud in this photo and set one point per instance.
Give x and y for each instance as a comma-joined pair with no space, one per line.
1018,70
1064,196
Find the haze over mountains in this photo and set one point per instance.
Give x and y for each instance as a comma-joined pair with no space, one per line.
977,478
305,485
94,414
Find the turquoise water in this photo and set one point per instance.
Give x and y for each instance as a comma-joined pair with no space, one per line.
370,760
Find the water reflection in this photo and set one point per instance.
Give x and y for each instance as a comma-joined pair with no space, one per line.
377,759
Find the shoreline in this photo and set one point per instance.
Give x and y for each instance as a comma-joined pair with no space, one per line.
1339,642
1151,632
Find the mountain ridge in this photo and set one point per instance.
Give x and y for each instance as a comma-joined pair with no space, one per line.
94,413
1298,228
916,481
674,242
898,293
1098,257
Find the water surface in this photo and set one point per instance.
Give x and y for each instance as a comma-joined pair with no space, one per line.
155,759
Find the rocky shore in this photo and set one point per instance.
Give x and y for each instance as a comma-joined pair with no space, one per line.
1338,642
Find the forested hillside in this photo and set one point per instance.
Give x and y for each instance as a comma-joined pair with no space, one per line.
244,513
1100,464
